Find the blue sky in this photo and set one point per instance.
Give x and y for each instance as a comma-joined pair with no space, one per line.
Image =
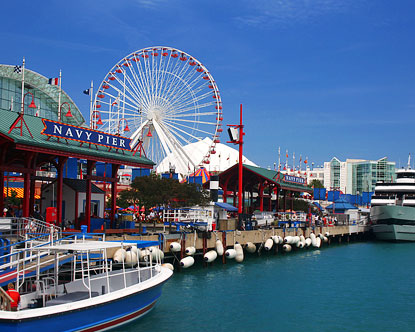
321,78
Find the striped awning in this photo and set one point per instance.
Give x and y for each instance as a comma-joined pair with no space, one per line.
19,192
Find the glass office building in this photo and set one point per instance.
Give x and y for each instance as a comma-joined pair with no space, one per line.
355,176
45,96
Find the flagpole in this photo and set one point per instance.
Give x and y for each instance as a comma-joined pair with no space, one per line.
22,104
59,98
91,92
279,158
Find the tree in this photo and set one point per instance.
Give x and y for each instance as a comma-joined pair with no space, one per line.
316,184
155,191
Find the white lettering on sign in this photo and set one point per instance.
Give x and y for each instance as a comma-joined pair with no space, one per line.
88,135
57,129
78,133
69,132
100,137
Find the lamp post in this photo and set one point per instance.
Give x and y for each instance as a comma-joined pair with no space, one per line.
68,114
238,140
32,103
126,128
96,119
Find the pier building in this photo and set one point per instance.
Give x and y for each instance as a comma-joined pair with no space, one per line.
46,130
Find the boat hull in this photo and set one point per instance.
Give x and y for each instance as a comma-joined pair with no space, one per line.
393,223
98,317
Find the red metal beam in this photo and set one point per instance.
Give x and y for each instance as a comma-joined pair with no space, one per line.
79,155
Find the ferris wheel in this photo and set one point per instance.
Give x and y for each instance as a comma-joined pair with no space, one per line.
164,99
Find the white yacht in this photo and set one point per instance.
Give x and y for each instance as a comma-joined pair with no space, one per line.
393,207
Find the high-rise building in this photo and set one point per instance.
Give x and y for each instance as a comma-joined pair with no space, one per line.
355,176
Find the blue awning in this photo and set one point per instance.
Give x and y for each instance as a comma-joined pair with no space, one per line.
226,206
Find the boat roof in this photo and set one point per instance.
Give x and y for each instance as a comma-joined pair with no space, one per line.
97,245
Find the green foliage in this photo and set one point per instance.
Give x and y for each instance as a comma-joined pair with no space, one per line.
316,184
12,200
155,191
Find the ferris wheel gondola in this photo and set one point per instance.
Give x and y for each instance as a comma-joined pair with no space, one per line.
163,98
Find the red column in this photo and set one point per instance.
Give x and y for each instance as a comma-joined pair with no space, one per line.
2,192
89,166
277,192
32,196
261,196
225,196
114,172
240,166
59,190
26,177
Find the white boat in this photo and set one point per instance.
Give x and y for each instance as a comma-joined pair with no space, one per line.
90,293
392,210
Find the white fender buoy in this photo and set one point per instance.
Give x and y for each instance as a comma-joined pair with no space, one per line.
130,258
134,249
250,247
268,244
325,239
296,239
230,253
318,242
187,262
299,244
175,247
312,236
321,236
327,234
210,256
288,239
219,247
275,239
313,239
190,251
308,242
280,240
119,256
145,255
156,253
302,238
239,253
286,247
168,266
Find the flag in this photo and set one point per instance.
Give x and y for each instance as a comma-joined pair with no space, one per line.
86,92
54,81
17,69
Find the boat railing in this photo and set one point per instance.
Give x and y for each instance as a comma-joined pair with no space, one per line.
21,261
26,228
109,279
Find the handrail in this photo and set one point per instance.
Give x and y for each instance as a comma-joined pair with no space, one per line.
6,299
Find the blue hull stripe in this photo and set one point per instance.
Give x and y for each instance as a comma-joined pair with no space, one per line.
89,318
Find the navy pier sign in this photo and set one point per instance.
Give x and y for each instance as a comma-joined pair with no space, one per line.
294,179
85,135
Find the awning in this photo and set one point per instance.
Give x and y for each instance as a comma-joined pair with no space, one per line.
226,206
19,192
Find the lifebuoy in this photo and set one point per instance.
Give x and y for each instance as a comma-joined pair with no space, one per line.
294,217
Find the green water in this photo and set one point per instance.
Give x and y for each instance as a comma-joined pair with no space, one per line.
357,287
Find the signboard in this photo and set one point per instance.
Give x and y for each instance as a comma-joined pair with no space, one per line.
85,135
294,179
